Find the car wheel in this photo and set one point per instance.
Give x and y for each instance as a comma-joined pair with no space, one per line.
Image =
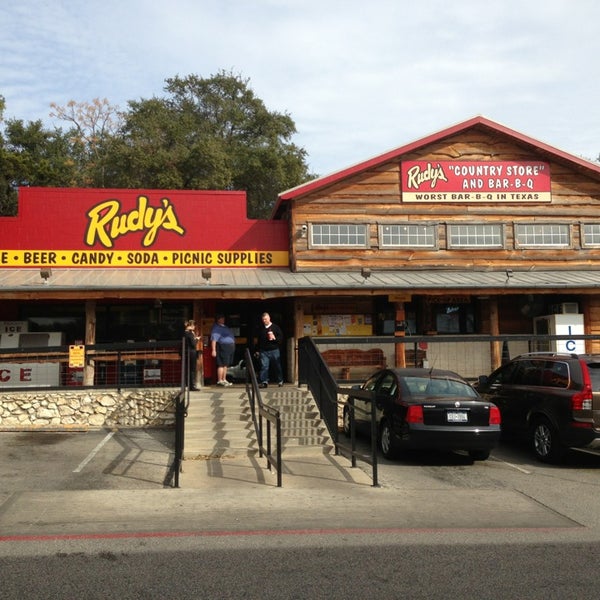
479,454
386,440
346,421
544,441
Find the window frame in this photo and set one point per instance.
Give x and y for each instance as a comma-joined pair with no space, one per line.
552,246
433,227
462,246
313,226
584,236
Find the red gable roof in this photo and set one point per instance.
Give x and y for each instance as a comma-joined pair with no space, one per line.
591,169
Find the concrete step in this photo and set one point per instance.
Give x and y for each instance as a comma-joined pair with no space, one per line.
219,422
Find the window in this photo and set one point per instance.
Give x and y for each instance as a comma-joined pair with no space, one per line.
388,385
338,234
556,374
476,236
536,234
405,235
529,372
590,234
457,318
505,375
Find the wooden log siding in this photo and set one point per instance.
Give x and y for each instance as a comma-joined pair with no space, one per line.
591,310
374,198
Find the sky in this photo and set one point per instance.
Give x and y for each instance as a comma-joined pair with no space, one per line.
358,78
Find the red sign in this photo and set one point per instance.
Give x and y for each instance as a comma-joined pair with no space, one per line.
476,181
69,227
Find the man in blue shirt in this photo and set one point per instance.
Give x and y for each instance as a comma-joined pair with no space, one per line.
222,343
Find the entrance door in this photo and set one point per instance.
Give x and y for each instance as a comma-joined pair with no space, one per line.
244,317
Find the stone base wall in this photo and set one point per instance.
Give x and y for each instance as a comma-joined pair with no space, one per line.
93,409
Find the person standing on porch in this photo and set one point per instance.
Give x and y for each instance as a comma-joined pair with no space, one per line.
222,343
269,340
191,342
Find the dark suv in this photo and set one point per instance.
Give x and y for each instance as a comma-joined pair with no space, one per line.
551,399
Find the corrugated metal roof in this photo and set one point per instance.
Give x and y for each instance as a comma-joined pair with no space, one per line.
29,280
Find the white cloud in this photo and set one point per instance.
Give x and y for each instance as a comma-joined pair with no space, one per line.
357,78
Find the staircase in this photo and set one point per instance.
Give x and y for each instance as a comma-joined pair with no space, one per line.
301,425
219,422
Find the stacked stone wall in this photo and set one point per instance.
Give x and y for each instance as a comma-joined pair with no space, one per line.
93,409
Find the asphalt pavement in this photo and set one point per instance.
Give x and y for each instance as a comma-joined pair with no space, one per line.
126,494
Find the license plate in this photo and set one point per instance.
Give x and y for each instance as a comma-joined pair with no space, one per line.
457,416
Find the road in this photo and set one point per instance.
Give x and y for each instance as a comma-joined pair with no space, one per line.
89,515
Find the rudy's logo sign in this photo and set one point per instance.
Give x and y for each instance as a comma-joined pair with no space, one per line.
107,222
418,175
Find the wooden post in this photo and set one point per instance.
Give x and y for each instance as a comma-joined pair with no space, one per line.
298,333
90,339
399,332
495,347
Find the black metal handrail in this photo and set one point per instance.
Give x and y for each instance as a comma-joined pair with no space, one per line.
351,450
182,403
314,372
270,415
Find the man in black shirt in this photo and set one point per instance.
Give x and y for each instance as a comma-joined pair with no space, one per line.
269,339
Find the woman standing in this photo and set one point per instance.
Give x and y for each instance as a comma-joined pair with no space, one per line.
191,341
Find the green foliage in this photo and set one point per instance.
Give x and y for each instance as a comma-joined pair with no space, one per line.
209,133
32,156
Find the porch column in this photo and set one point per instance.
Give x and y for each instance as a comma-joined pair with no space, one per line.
495,347
400,332
198,316
90,340
298,333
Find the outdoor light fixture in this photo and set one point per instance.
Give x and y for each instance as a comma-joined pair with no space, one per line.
366,273
206,274
45,274
509,274
304,231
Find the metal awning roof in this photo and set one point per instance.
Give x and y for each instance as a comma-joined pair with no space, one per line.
25,281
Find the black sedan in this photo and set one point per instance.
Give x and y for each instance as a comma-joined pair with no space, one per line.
425,408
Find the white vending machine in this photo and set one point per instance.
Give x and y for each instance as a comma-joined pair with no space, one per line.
559,324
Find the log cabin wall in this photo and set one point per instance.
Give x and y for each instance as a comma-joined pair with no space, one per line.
374,198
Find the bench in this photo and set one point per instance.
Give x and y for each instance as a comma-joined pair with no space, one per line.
352,363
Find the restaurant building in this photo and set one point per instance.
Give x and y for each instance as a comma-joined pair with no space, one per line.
476,229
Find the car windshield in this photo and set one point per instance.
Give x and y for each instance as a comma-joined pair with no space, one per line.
439,387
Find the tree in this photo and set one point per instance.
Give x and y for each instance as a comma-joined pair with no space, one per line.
93,126
209,134
8,195
31,155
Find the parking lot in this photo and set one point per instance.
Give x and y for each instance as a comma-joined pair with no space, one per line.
52,461
141,459
117,481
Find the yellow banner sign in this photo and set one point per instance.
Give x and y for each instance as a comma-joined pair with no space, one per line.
145,258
